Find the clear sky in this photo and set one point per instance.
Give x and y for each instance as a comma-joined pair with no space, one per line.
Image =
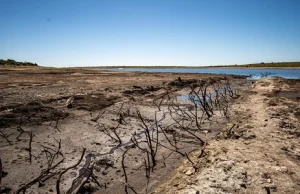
149,32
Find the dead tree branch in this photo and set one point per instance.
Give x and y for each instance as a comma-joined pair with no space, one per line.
112,132
160,99
98,116
52,154
66,170
30,146
44,174
124,172
151,141
5,137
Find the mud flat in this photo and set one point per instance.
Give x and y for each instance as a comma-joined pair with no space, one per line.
258,151
87,131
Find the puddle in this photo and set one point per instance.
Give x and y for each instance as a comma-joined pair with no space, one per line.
183,97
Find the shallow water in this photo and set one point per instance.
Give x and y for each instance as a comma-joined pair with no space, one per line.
252,73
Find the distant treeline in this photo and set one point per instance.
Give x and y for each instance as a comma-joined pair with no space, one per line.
11,62
277,64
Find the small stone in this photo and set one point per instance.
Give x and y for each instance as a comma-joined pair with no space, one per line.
283,169
189,172
243,185
249,135
69,102
181,186
248,126
104,173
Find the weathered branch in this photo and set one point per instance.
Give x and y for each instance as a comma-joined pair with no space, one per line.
5,137
30,145
39,179
66,170
125,174
116,137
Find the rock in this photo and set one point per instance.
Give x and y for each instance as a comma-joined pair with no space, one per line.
104,173
189,172
69,102
281,169
248,135
272,103
226,165
181,186
248,126
243,185
271,188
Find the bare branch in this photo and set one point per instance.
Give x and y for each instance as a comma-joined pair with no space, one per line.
124,171
67,169
5,137
43,174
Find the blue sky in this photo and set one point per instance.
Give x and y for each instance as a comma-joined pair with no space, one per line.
149,32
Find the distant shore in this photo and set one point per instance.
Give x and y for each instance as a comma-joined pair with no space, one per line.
285,65
190,67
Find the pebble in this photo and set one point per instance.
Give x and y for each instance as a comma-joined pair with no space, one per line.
281,168
189,172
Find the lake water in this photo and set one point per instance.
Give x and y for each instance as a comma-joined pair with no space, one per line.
252,73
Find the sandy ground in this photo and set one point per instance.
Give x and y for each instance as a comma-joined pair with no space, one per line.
259,153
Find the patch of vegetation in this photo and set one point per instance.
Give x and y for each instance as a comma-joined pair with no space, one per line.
279,64
11,62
